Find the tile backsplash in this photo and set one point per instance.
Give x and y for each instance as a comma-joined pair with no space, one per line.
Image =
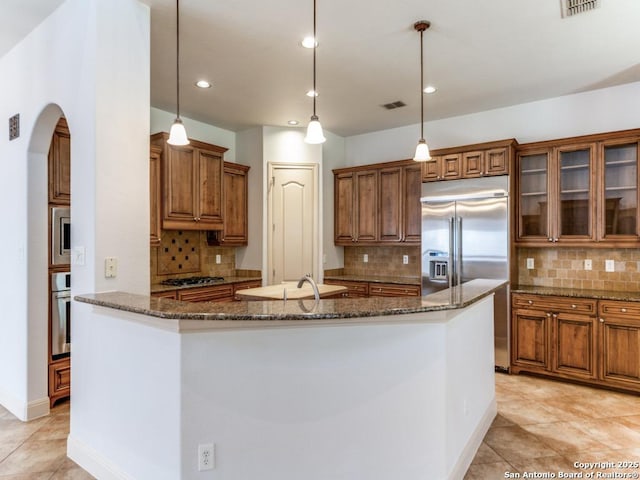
564,267
382,261
184,253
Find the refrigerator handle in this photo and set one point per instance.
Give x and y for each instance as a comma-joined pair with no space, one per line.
450,262
459,252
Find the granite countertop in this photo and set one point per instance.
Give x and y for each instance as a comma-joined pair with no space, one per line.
376,279
158,287
247,314
578,293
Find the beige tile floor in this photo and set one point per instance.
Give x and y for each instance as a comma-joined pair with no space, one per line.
545,427
542,426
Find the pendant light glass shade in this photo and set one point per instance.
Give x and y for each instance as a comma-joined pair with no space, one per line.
314,129
422,150
314,132
178,134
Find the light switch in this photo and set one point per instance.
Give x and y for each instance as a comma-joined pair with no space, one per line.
218,258
587,264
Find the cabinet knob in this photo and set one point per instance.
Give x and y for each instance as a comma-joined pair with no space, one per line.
555,239
530,302
573,305
623,310
550,239
602,320
548,314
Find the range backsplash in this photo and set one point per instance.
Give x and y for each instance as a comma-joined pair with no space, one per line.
184,253
564,267
383,261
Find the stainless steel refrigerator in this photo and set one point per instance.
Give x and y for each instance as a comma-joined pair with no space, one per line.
465,236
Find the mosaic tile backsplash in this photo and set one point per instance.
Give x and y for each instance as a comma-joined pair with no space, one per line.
386,261
564,267
184,253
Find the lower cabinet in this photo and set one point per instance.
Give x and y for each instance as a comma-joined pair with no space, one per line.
218,293
59,380
374,289
577,338
620,343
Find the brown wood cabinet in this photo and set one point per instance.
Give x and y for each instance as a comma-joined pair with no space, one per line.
155,197
620,343
595,341
577,191
217,293
245,285
470,161
59,380
356,289
192,189
59,165
378,204
172,294
235,194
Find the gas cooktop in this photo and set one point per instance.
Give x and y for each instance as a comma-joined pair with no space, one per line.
179,282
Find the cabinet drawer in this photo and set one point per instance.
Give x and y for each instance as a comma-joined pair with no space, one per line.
393,290
222,293
354,289
168,294
554,304
619,309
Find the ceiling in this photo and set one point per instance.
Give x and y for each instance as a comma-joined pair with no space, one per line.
480,55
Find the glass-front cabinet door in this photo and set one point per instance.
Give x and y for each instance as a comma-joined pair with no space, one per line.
533,196
575,212
618,200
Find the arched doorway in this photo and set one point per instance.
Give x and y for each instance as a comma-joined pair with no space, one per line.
37,259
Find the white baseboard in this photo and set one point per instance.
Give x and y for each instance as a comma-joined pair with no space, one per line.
93,462
24,411
469,452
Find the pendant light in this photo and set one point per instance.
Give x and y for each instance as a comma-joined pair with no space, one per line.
422,150
314,130
177,134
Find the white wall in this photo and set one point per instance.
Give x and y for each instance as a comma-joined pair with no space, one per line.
90,60
333,151
249,152
597,111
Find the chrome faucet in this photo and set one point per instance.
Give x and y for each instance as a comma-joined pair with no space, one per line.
312,282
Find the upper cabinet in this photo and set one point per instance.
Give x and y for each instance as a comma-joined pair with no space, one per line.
59,165
577,191
378,204
235,190
470,161
192,188
155,197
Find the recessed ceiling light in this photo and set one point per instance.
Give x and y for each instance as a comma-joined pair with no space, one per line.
293,122
430,89
312,93
309,42
203,84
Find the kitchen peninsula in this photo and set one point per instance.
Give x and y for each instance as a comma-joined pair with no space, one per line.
374,388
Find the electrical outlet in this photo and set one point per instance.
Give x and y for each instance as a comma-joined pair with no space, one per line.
218,259
206,457
110,267
588,265
405,259
365,258
530,264
609,266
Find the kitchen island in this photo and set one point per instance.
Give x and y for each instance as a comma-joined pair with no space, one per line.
376,388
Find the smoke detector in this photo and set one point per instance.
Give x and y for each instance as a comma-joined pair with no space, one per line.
573,7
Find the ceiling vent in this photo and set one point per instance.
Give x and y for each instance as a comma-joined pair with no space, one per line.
573,7
392,105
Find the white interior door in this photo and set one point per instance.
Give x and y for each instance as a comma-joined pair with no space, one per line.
293,219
